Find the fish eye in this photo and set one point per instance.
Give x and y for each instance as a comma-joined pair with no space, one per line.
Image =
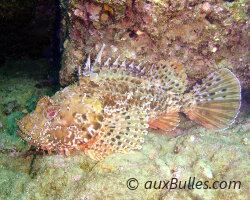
50,112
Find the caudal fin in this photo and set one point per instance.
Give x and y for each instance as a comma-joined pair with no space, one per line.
216,102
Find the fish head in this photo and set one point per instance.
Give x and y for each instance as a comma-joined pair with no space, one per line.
74,122
38,122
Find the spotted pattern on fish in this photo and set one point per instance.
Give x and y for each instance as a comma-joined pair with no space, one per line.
114,103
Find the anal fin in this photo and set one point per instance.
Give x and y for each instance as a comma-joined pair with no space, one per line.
166,122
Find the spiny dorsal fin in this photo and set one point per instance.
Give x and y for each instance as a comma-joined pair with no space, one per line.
216,102
124,131
169,77
165,76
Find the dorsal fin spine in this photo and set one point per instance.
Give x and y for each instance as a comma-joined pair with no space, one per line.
106,64
138,67
99,56
123,64
116,61
132,65
86,70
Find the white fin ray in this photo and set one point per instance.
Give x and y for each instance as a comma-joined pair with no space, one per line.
138,67
87,67
98,59
131,65
123,65
116,61
106,63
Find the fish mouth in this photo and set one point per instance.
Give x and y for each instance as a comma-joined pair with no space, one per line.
20,133
21,130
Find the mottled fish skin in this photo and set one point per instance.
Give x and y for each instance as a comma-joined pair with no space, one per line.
113,104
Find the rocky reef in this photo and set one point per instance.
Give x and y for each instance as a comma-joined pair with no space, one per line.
202,35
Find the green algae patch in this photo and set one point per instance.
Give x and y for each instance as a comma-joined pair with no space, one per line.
19,91
19,95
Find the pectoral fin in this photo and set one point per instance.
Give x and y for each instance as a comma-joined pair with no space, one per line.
122,132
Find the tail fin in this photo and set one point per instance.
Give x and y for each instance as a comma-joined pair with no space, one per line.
216,102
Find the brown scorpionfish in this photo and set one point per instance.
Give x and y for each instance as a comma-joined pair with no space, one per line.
113,104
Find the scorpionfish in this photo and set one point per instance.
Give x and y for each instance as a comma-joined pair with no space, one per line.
113,104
